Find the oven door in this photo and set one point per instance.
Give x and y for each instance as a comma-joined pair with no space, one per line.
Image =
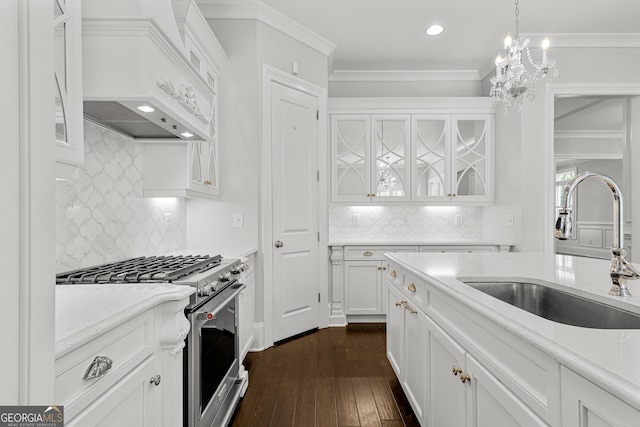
212,365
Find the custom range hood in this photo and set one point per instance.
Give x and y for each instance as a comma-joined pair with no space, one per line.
146,70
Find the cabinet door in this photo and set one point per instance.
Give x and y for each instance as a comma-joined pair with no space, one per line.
363,287
128,403
586,405
246,316
390,174
210,166
430,165
471,157
491,404
196,170
447,394
415,381
350,158
395,331
68,87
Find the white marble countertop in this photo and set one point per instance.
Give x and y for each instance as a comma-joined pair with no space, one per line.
609,358
86,311
240,252
412,242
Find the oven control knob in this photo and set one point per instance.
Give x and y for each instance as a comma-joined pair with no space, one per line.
237,269
225,277
205,290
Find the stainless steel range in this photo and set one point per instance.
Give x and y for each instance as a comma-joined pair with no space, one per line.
212,375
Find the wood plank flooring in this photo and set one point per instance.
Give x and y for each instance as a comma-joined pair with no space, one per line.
335,377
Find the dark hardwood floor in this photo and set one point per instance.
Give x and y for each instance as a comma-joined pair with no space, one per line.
332,377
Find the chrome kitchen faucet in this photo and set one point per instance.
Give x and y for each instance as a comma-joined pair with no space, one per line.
621,270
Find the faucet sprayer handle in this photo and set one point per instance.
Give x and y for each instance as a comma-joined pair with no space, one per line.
563,225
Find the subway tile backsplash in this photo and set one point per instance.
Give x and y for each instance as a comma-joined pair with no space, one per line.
405,222
102,217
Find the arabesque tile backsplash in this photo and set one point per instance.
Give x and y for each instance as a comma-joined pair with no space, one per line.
102,217
405,222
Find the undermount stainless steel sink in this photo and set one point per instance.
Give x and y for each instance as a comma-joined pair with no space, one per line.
559,306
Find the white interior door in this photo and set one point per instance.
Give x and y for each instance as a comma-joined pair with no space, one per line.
294,148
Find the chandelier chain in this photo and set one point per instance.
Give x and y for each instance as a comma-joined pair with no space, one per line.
517,20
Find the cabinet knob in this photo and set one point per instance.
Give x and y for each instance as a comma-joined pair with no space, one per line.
278,244
412,287
155,380
465,378
367,253
379,268
384,268
99,367
392,273
455,370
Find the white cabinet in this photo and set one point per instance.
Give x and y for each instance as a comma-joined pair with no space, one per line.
136,372
69,134
246,307
451,158
363,287
129,402
437,151
586,405
369,157
444,380
179,169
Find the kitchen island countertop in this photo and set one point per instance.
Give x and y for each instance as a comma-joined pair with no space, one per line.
83,312
608,357
413,242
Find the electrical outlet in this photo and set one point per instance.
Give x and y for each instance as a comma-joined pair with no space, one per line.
168,218
458,219
509,222
238,220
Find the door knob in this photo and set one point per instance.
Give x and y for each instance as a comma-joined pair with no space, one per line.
279,244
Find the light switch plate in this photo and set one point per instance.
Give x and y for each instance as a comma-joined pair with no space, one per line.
509,222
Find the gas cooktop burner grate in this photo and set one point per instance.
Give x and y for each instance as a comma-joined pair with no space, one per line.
141,270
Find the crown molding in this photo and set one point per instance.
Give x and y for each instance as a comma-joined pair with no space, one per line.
251,9
620,40
403,75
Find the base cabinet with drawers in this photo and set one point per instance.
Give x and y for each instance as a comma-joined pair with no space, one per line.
458,368
358,274
128,375
247,310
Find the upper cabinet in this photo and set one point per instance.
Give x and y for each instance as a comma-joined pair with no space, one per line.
68,87
369,157
427,150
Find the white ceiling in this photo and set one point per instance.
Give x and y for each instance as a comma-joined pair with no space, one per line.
389,34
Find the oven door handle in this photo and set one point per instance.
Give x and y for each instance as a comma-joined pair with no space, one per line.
216,304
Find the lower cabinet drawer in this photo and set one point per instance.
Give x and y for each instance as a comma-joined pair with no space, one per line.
374,252
126,347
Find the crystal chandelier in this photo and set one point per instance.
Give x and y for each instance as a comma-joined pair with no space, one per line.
513,81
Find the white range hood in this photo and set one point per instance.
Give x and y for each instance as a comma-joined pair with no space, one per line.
149,54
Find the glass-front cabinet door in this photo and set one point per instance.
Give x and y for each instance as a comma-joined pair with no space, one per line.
430,144
390,174
471,157
350,158
68,87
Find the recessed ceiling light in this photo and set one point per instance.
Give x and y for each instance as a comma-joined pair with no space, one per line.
434,30
146,109
186,134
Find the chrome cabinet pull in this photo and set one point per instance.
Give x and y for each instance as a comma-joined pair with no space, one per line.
367,253
279,244
99,367
155,380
